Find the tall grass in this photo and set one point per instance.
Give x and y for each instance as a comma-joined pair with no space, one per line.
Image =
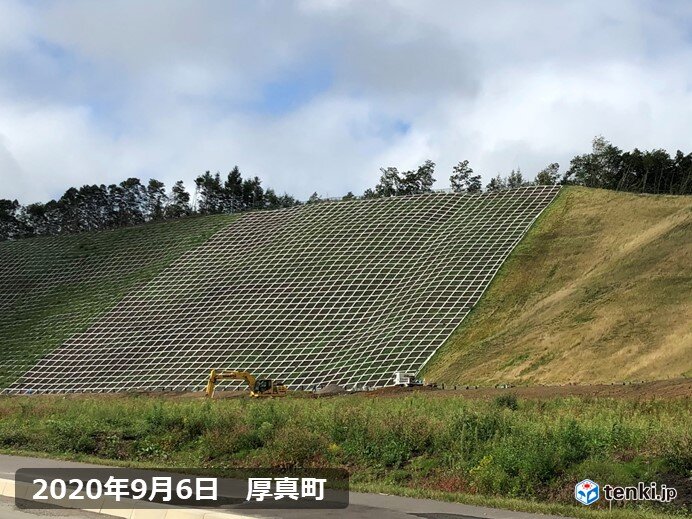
509,448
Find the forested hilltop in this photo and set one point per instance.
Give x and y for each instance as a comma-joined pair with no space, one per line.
132,202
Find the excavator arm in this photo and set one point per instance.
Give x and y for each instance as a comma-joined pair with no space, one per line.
216,376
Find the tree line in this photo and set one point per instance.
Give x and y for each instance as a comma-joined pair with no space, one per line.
99,207
606,167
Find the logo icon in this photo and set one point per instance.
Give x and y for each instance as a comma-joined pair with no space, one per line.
587,492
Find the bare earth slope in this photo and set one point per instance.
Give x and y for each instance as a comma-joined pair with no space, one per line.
599,290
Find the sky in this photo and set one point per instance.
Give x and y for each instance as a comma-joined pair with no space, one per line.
318,95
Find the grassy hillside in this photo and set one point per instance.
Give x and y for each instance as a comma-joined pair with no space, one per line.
53,287
345,292
421,445
599,290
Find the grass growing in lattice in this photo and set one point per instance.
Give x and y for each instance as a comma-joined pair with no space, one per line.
344,292
54,287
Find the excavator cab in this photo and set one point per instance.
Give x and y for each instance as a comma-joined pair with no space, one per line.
268,387
262,386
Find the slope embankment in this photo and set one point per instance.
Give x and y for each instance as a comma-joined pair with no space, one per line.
599,290
341,292
54,287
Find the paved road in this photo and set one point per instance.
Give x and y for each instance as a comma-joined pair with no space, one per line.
362,506
9,511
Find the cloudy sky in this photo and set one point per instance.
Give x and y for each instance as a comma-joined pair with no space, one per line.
317,95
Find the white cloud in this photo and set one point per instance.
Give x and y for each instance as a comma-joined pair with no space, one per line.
170,89
15,23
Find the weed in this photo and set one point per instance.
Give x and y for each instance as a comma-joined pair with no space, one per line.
508,449
508,400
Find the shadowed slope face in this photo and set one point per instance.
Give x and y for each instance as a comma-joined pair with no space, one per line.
52,288
600,290
344,292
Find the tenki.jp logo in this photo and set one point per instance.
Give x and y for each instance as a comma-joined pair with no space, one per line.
587,492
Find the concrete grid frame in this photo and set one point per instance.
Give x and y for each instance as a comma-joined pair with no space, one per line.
336,292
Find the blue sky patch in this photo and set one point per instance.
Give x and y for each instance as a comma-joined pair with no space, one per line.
293,90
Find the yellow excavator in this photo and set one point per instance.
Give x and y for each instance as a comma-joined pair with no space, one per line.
259,387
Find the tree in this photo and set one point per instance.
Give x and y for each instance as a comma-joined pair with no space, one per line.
35,218
53,218
600,168
69,211
274,201
460,176
288,201
349,196
474,185
549,175
156,199
93,207
680,179
419,180
42,219
462,181
390,182
515,179
656,169
314,198
496,183
179,204
233,191
115,209
393,183
271,199
133,202
210,192
252,193
10,226
652,171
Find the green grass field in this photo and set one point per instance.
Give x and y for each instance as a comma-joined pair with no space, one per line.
508,452
54,287
599,290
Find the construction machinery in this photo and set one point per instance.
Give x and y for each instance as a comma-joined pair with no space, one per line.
259,387
402,378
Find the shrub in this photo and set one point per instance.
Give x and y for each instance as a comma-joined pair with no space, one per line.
14,437
146,449
224,442
533,449
295,447
677,454
573,443
488,477
71,436
508,400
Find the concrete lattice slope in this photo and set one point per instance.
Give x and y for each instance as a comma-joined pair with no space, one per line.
600,290
54,287
344,292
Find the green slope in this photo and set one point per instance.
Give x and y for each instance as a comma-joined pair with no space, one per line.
599,290
343,292
54,287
